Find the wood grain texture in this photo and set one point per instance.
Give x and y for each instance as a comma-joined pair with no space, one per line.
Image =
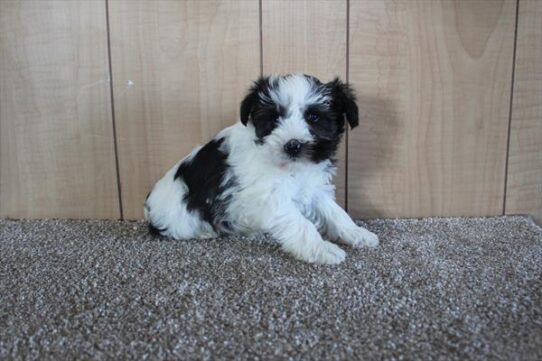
434,79
180,70
307,36
524,188
56,137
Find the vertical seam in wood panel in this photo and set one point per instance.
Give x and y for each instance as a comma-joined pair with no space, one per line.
348,81
261,37
510,110
112,99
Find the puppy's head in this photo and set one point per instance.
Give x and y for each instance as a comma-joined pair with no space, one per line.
297,117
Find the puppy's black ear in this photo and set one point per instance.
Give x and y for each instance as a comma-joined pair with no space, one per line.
251,100
345,101
247,105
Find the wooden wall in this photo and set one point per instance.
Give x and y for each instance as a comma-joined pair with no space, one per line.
524,184
57,154
434,79
99,98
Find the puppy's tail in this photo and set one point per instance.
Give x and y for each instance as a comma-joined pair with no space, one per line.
153,230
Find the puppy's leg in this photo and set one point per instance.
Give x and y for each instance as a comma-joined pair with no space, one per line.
299,237
340,227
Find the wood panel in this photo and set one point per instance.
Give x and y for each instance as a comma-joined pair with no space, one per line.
56,138
524,188
434,80
307,36
180,70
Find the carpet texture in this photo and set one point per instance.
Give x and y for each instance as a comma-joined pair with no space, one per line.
457,288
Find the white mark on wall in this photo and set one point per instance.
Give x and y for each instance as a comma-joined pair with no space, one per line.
129,84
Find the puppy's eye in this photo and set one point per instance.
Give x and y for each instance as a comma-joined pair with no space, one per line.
313,118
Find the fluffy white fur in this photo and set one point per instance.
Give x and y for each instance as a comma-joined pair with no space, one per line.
293,201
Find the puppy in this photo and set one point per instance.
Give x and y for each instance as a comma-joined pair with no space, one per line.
269,173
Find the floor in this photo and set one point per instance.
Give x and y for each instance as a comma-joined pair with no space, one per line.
448,288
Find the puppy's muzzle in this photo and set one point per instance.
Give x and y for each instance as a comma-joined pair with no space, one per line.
294,148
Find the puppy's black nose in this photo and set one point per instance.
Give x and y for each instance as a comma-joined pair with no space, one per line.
293,148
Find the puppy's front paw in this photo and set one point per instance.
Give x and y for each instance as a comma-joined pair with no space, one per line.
329,253
323,252
360,237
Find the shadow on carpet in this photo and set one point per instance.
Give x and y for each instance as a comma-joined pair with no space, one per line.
456,288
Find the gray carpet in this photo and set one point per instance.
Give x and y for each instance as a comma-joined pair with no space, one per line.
435,289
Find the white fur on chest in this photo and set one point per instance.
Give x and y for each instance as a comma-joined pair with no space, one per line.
263,183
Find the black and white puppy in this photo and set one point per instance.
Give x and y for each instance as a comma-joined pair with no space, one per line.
269,173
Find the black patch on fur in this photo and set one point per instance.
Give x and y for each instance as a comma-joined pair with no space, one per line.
326,126
263,115
323,150
344,101
248,105
265,118
328,130
204,176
